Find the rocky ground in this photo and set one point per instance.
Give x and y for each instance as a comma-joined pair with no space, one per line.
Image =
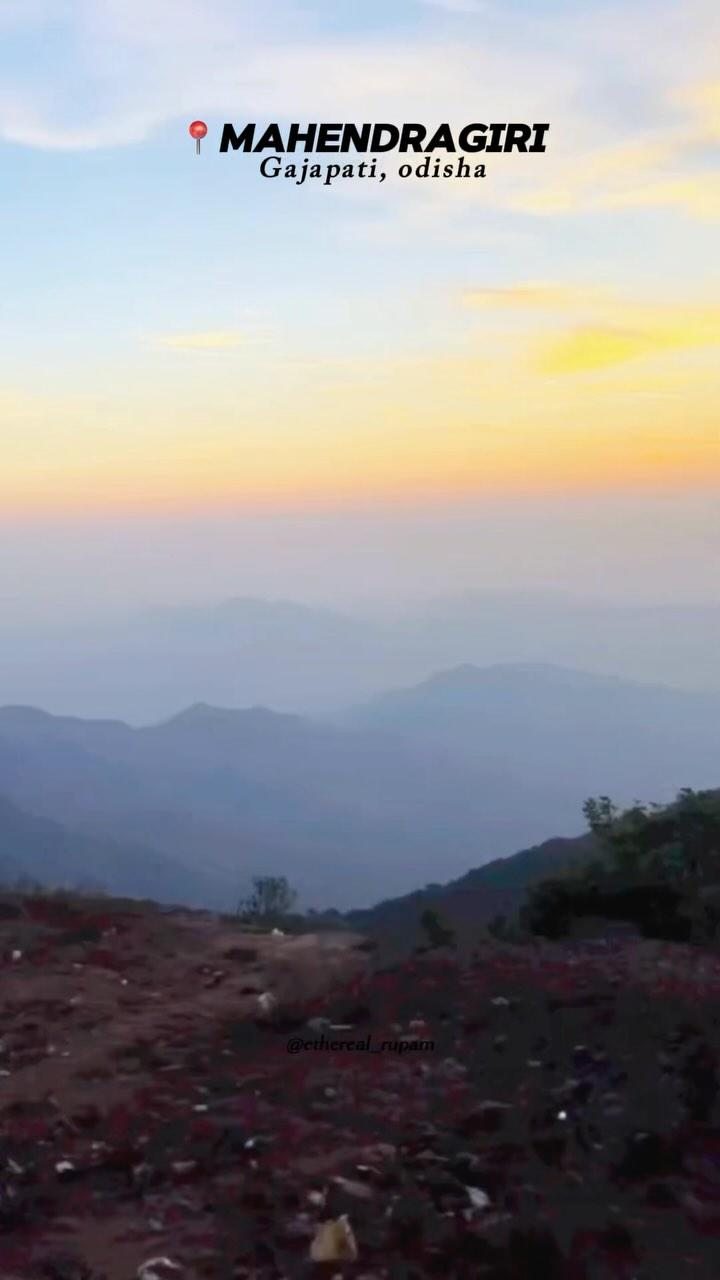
545,1113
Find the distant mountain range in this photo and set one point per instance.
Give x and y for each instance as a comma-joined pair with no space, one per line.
33,848
308,660
347,815
415,786
564,729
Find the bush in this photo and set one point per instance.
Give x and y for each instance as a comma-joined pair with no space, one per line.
437,934
270,901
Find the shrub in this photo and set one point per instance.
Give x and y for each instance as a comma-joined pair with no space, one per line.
437,934
270,901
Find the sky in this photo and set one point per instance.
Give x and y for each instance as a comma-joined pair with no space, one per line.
212,382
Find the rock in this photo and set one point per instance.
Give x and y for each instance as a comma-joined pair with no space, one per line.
451,1069
487,1117
333,1242
378,1152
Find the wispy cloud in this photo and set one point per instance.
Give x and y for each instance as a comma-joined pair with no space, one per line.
633,333
458,6
599,328
545,297
213,340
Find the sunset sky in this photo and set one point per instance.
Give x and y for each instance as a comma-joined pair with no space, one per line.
181,337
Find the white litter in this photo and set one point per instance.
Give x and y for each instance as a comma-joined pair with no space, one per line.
16,955
477,1198
278,933
319,1024
146,1270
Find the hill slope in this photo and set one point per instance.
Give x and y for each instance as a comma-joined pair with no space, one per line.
470,902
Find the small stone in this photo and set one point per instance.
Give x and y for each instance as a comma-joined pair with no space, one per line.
452,1069
379,1151
487,1117
360,1190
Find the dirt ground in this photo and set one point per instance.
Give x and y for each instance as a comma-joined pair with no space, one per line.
544,1113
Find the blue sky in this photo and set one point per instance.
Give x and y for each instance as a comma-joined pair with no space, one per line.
181,336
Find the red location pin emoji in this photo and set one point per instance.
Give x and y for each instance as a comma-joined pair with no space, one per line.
197,130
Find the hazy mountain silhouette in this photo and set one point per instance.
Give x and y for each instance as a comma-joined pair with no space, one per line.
565,729
310,660
44,850
675,644
238,653
347,815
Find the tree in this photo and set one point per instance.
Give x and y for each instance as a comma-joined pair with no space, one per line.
676,842
270,901
600,813
659,868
